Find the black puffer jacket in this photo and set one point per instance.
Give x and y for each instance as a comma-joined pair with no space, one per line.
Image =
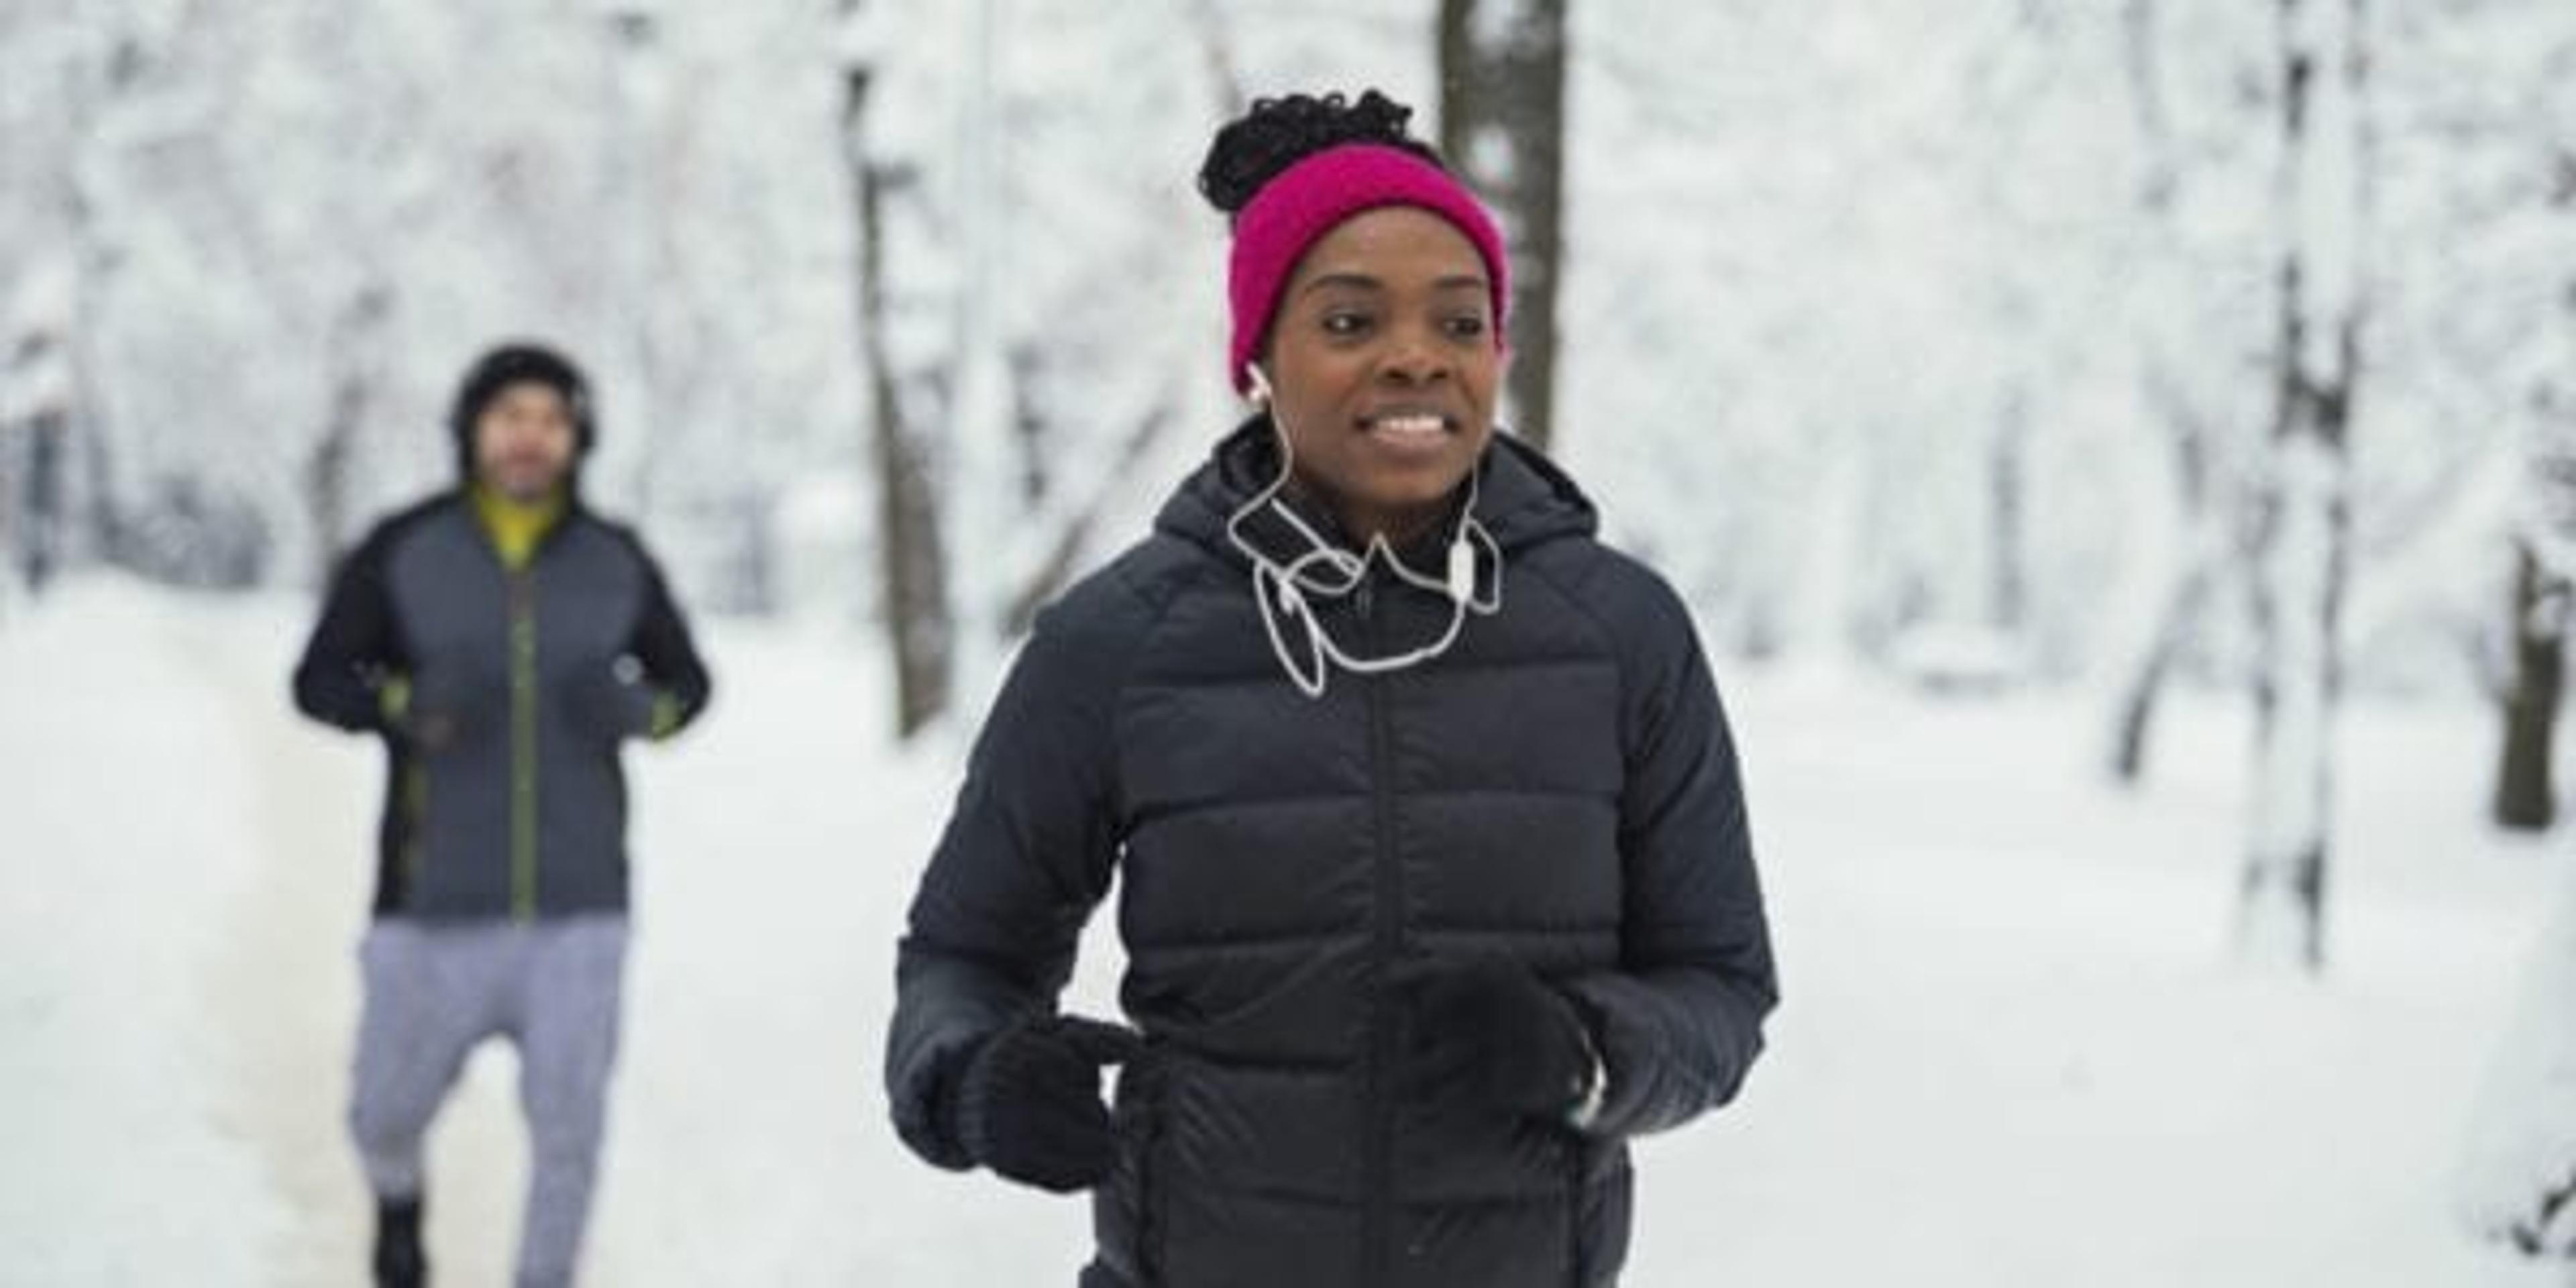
1560,787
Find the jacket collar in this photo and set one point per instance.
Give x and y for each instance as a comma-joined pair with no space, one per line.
1522,499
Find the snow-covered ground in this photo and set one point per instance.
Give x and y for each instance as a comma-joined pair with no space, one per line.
2014,1051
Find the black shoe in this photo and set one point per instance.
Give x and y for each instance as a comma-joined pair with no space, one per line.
399,1263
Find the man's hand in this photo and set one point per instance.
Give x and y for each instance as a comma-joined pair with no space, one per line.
440,716
604,705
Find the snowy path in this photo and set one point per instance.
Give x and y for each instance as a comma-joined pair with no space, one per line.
2014,1052
122,1158
281,982
285,986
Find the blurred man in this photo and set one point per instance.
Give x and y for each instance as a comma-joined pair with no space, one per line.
504,642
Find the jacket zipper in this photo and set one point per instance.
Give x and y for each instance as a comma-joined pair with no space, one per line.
523,744
1575,1150
1378,1216
415,821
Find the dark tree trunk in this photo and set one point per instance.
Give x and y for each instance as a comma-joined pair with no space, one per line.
2159,185
1502,123
2193,584
47,502
1216,54
2525,797
1029,426
1057,568
2146,687
326,473
918,618
753,568
329,469
2008,486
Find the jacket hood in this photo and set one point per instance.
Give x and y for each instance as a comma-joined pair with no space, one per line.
1523,500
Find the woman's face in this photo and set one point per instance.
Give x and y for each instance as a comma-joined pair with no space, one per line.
1383,364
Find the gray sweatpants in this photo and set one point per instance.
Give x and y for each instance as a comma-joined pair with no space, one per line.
433,992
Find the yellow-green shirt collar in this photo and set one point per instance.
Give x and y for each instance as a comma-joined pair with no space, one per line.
516,526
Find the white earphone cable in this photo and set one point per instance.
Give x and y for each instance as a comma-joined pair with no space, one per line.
1280,591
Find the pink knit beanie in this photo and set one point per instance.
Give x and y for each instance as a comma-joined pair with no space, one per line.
1309,199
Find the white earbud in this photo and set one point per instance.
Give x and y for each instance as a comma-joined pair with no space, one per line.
1260,383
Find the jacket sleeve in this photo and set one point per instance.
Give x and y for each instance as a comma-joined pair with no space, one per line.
1026,856
354,649
1680,1022
673,671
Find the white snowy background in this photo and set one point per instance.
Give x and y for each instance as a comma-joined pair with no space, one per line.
1833,270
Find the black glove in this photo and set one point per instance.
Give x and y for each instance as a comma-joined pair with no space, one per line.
606,707
1490,1034
1027,1101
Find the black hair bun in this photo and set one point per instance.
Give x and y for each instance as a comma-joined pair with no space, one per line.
1277,133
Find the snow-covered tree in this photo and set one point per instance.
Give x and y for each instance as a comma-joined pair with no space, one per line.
2198,272
2302,540
1878,325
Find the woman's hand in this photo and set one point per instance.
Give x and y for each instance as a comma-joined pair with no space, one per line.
1027,1101
1489,1033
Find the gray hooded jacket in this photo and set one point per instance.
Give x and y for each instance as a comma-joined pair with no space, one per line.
505,797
